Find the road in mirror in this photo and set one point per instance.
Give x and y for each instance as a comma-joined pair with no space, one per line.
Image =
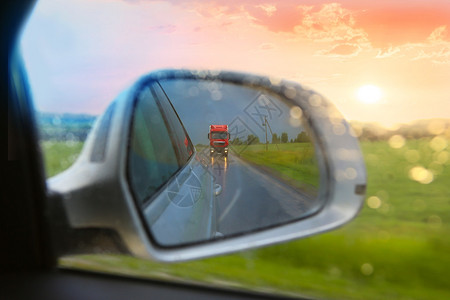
210,160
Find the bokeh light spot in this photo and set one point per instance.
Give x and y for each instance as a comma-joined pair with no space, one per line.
296,112
367,269
290,92
438,143
315,100
420,174
397,141
374,202
442,157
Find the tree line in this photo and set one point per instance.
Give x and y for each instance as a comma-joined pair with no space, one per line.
63,127
251,139
414,130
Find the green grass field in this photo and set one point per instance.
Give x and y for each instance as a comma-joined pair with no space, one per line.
397,248
58,156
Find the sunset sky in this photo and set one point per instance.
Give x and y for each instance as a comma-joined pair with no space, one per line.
81,54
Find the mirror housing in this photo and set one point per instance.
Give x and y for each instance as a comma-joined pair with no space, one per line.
95,192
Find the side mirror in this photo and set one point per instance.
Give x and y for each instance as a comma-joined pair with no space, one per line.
148,179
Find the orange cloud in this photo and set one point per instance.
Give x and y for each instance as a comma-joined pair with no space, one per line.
441,56
331,22
436,47
416,29
440,34
341,50
395,25
279,17
387,52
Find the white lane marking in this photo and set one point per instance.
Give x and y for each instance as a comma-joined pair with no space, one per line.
308,204
232,202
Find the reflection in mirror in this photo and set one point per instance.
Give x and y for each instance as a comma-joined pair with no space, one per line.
209,160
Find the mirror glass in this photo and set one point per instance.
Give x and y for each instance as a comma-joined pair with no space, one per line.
209,160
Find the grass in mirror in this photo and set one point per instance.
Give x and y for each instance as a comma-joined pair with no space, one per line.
292,162
396,248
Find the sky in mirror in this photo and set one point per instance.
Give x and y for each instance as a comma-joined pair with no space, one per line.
383,61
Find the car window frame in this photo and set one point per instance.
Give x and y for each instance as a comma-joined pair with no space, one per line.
181,164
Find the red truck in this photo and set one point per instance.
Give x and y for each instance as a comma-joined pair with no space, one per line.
218,139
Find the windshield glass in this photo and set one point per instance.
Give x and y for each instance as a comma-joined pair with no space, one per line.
384,64
219,135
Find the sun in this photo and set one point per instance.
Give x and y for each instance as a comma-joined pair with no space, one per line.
369,93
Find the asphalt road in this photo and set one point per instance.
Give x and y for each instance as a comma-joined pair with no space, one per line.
252,199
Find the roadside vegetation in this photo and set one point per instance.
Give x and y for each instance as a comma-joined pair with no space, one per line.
292,162
397,247
59,155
